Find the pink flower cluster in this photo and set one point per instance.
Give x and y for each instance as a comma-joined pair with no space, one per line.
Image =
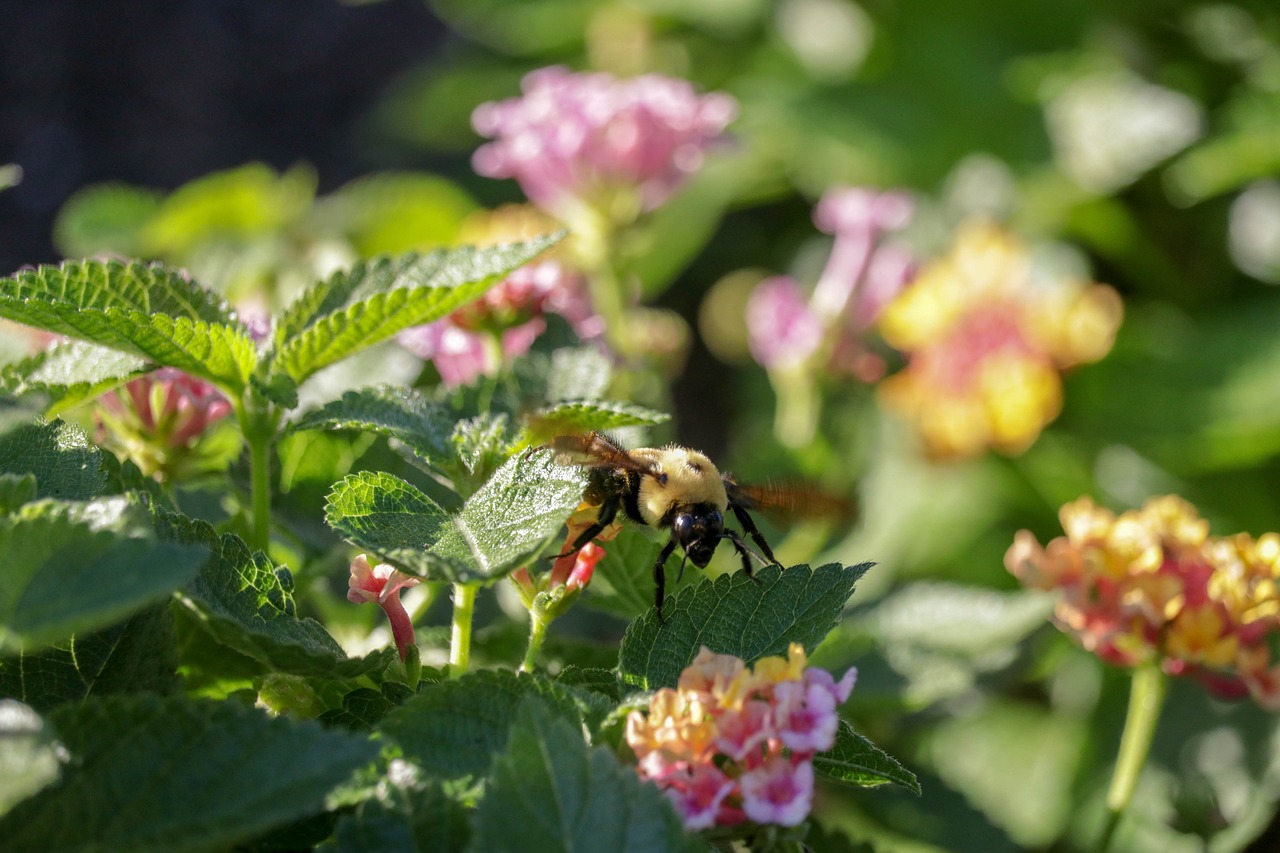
381,585
159,421
732,744
590,143
789,329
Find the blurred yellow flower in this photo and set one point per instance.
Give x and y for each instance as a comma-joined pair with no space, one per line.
1151,585
987,336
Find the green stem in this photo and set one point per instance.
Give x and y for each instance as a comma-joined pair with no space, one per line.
258,421
1146,696
537,633
464,605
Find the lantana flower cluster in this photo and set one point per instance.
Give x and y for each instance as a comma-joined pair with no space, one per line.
590,148
1152,586
987,335
732,743
481,337
160,421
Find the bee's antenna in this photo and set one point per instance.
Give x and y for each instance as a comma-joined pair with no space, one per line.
683,561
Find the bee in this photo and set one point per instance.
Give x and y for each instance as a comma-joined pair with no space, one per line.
670,488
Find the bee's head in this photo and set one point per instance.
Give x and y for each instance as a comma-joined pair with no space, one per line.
698,530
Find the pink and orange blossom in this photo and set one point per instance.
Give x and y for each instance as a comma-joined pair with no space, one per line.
381,585
732,744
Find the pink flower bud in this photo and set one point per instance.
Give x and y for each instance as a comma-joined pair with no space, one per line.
381,585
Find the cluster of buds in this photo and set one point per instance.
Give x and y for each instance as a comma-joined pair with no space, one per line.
1152,586
590,148
162,422
479,338
732,744
987,335
381,585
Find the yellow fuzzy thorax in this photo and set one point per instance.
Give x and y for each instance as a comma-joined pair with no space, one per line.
691,478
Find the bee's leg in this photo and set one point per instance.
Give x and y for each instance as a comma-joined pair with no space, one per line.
608,512
659,576
744,552
749,527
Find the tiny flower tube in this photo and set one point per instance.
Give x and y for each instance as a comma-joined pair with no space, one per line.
381,585
733,744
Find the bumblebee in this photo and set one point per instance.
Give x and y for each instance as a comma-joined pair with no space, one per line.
670,488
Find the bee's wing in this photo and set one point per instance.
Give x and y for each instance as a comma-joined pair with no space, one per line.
597,450
790,501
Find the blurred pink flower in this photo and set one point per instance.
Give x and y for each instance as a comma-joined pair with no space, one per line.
789,329
592,143
381,585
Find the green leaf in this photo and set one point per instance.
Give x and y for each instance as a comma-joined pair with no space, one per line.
375,299
246,604
857,761
150,311
236,204
453,729
579,416
72,372
511,518
549,792
133,656
60,456
736,615
424,426
390,213
69,567
29,756
364,707
387,516
106,219
16,490
408,814
180,775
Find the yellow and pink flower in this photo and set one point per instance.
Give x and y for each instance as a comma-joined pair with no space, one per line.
1152,586
732,744
987,335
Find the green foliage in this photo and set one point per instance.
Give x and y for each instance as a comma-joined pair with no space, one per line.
748,617
29,757
550,792
103,549
513,516
71,373
177,774
357,308
149,311
858,761
59,456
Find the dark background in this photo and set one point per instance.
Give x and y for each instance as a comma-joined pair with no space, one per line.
158,92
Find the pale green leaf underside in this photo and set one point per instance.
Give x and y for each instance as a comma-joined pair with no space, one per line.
738,616
104,550
857,761
548,792
72,372
393,519
149,311
177,774
423,426
379,298
586,415
29,754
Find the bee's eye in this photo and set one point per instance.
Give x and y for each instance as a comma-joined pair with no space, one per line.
662,479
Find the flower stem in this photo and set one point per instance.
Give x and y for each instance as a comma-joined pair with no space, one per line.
1146,696
537,633
258,421
464,605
